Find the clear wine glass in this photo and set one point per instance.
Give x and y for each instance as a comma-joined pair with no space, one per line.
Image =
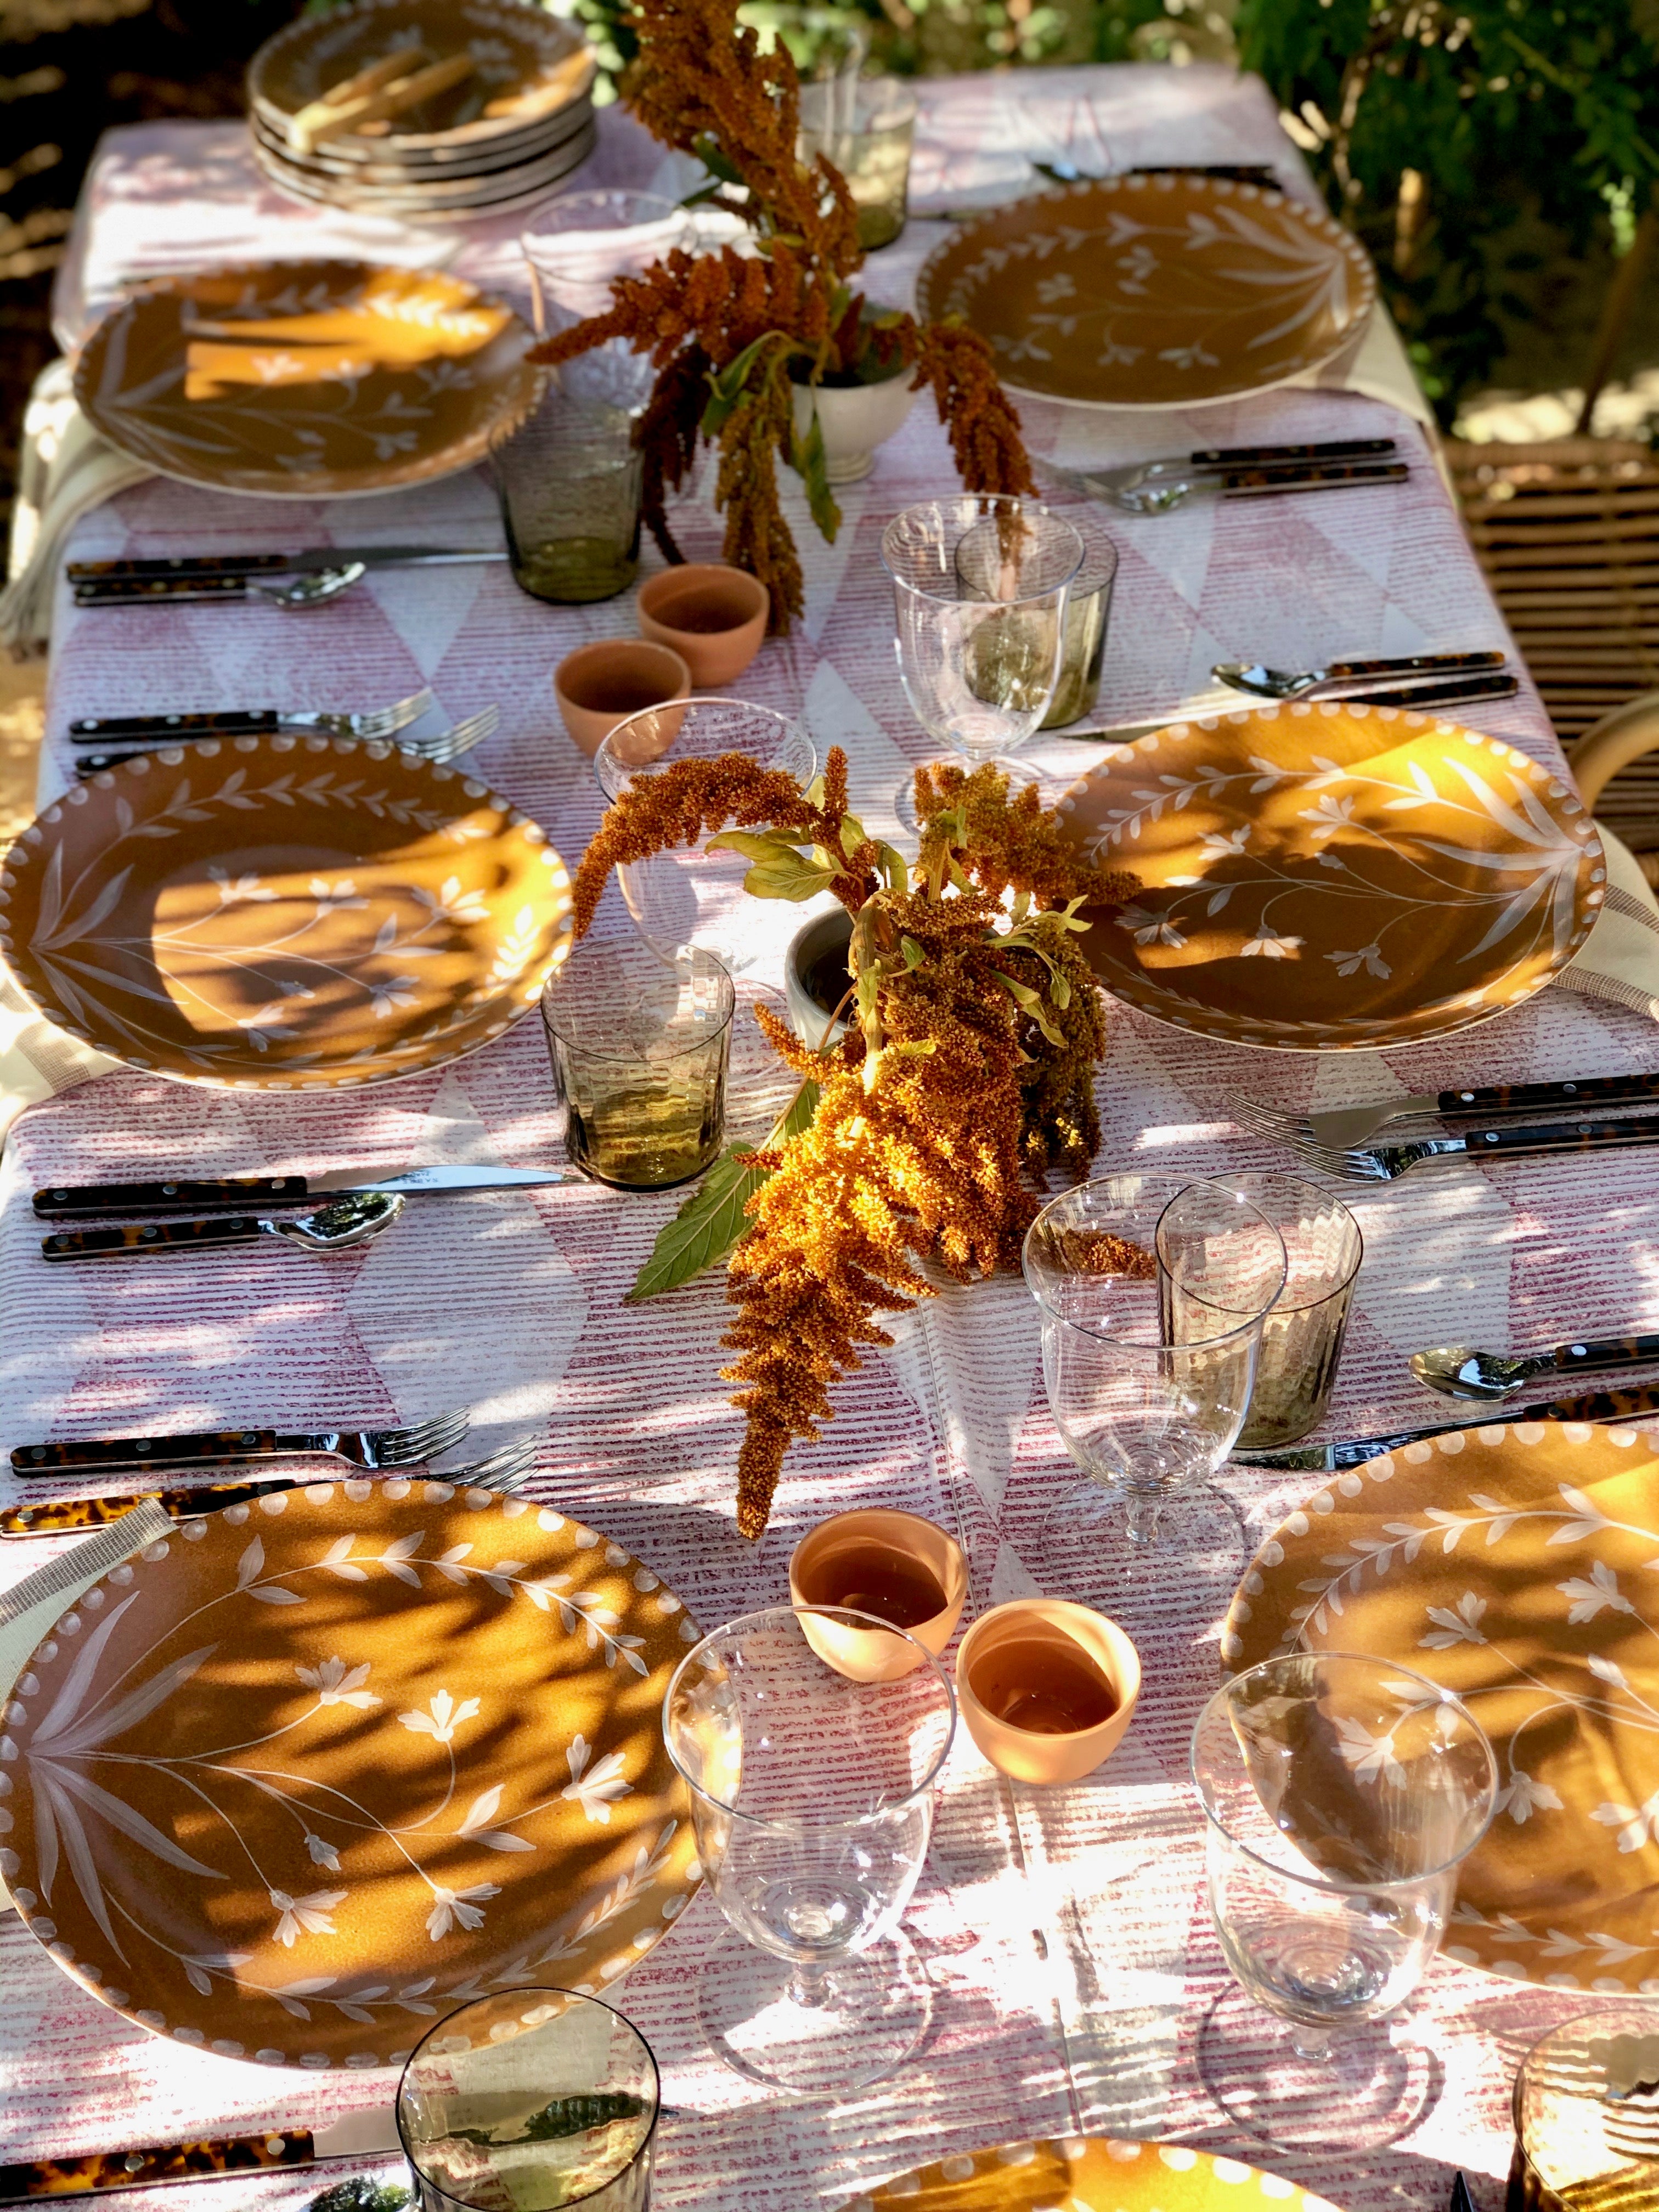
812,1797
1143,1416
580,242
1341,1793
979,591
696,896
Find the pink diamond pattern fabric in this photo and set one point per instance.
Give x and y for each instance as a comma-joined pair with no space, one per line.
515,1302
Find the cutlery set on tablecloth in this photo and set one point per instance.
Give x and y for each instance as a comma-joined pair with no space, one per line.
1334,1141
204,1215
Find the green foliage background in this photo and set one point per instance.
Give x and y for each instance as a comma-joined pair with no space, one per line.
1533,127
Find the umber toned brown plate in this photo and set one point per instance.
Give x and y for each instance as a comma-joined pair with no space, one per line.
310,1774
1085,2173
1153,291
521,77
1514,1565
283,912
1325,878
307,379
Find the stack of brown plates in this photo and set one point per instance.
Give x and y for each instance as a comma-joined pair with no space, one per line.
499,140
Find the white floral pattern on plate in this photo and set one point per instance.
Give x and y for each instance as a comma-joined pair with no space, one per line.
308,1766
1513,1564
1153,291
369,379
283,912
1388,877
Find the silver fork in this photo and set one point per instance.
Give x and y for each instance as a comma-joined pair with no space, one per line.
442,747
505,1470
450,745
1388,1163
1340,1127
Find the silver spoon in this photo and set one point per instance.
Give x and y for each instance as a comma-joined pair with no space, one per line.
315,589
1291,683
331,1228
1457,1370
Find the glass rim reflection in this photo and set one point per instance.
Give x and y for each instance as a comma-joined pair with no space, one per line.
614,775
1284,1303
1176,1186
663,213
577,1998
683,958
842,1616
1333,1885
946,589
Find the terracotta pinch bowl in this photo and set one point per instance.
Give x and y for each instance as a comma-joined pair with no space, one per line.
599,685
713,616
1038,1644
830,1565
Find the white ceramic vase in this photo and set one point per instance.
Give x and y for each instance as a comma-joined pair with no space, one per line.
828,931
854,418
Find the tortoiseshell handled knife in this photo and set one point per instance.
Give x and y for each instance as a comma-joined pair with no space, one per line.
1330,1459
104,1201
360,2134
60,1517
1325,475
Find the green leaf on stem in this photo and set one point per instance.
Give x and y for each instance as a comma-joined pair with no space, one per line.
712,1220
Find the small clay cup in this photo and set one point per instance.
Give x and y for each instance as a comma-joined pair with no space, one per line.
871,1655
713,616
599,685
1072,1630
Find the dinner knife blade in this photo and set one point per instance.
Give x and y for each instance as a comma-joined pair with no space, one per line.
360,2134
1409,698
186,568
102,1200
1331,1459
61,1516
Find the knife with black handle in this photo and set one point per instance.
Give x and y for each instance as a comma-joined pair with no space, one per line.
242,722
1331,1459
104,1201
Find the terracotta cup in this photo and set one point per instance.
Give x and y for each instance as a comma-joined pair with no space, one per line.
598,685
1028,1644
713,616
824,1571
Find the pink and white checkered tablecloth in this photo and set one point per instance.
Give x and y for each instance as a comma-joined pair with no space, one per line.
1077,1977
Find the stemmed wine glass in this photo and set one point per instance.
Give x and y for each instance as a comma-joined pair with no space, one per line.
813,1797
697,897
1340,1794
980,588
1142,1414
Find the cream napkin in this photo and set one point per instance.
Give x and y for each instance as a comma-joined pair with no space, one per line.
1620,958
37,1059
65,469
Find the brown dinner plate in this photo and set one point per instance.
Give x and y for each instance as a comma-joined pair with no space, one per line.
309,1774
283,912
307,379
1327,878
1513,1564
1153,290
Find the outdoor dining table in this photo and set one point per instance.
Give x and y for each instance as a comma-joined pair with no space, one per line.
1078,1982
